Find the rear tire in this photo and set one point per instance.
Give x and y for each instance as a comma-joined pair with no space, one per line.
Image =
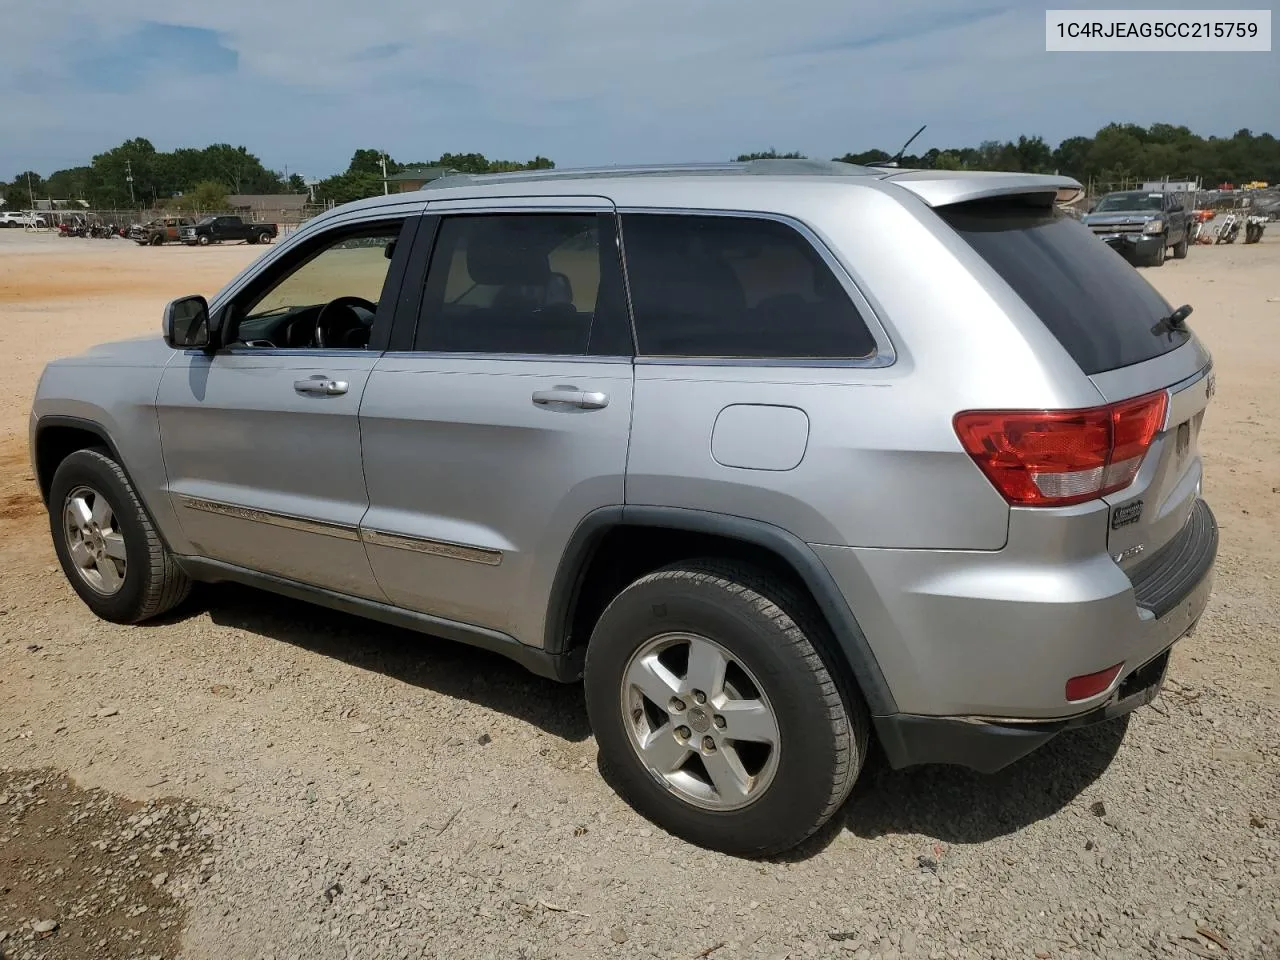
106,543
745,796
264,237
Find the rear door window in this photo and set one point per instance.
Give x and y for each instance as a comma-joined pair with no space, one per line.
1099,308
525,284
731,286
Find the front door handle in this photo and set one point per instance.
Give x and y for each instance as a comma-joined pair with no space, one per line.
321,386
571,397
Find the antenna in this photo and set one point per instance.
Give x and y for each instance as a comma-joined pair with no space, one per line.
893,161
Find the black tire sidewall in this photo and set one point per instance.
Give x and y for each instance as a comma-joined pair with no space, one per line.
796,800
90,468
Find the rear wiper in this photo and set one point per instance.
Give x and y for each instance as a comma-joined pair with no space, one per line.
1174,322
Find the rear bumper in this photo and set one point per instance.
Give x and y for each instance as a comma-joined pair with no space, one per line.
977,648
991,745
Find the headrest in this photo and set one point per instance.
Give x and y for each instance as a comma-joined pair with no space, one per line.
505,257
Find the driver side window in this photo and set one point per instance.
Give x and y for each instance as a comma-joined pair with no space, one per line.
326,298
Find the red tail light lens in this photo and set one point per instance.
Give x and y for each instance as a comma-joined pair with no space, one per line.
1053,458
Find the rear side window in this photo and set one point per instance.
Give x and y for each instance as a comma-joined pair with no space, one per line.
1098,307
727,286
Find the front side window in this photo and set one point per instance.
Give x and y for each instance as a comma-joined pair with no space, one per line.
327,299
732,286
525,284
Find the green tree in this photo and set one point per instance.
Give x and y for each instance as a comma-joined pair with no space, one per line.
72,184
369,161
346,187
771,154
18,193
867,156
207,195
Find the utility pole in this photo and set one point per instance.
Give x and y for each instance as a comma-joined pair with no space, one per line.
385,189
128,175
31,191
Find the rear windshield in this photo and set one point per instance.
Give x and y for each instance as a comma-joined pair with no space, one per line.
1099,307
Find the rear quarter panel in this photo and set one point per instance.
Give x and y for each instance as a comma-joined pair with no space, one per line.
883,466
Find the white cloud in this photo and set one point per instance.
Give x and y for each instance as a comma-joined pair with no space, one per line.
590,81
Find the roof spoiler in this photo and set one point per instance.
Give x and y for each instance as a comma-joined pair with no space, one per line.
940,188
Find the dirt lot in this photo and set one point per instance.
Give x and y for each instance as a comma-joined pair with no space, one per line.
332,788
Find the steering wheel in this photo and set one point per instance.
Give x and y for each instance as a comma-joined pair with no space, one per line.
328,330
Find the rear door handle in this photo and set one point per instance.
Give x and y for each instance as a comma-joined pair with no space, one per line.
569,397
321,386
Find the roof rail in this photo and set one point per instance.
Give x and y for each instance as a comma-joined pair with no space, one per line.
749,167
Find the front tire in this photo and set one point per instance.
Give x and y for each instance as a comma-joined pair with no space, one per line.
202,240
1180,248
688,656
1156,259
108,547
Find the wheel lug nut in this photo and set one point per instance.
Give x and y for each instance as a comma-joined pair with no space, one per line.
719,721
699,696
683,733
708,745
676,705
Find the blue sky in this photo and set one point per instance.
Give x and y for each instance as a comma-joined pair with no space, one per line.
302,83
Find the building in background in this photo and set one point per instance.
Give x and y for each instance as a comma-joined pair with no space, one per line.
268,206
415,178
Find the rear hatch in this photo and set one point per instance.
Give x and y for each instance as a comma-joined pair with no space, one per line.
1113,323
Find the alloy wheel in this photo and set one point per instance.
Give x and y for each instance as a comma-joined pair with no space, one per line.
699,721
94,541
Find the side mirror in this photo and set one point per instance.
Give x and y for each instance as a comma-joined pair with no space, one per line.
186,324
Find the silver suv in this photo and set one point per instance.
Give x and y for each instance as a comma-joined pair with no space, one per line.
779,457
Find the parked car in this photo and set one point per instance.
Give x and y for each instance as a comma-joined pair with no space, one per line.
220,229
1142,226
832,453
14,218
160,230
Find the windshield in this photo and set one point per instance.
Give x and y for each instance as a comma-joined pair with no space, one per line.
1130,201
205,221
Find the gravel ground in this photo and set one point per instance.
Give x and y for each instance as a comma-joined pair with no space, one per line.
382,795
89,875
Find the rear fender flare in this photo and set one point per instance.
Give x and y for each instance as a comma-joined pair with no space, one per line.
793,551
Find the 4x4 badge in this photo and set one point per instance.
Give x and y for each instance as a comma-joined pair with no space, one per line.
1123,516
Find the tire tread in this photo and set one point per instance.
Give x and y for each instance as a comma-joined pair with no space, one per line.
165,585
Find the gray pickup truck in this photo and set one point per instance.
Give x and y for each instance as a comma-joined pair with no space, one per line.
1142,226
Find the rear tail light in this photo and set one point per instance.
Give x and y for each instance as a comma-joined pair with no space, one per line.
1092,684
1054,458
